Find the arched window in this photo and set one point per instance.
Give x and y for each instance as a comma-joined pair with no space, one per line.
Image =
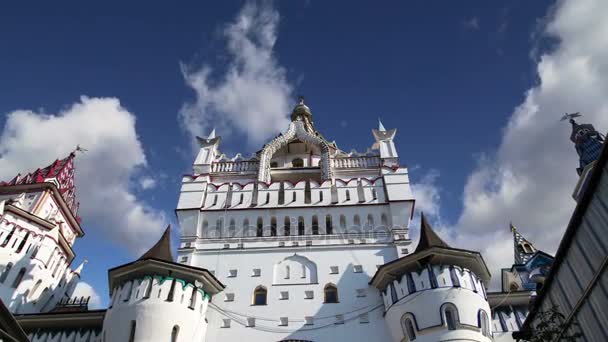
132,332
450,316
307,195
293,196
170,295
260,228
454,277
281,193
320,196
331,293
483,323
260,295
246,227
347,195
273,226
19,277
35,289
5,272
219,226
287,226
315,225
370,221
267,198
300,225
241,199
8,237
342,222
409,328
329,228
174,333
287,271
297,162
214,200
22,243
232,228
374,194
384,220
357,221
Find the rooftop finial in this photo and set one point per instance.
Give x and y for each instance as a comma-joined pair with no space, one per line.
381,126
79,149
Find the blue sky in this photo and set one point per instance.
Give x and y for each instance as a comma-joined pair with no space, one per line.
459,81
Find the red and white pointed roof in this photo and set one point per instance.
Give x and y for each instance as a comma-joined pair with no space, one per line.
60,172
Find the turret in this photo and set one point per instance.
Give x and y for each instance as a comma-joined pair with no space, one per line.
154,298
436,293
38,227
385,143
207,153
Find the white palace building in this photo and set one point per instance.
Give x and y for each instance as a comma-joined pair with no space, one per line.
300,242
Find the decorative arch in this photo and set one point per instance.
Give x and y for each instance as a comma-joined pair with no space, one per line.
295,270
409,326
296,130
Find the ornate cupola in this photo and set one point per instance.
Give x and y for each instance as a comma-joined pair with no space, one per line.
301,111
588,143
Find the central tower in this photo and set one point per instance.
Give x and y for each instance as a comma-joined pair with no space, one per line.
296,231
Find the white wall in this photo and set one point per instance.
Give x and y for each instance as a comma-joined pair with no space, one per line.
297,307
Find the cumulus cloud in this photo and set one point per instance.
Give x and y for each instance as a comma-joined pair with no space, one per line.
531,177
104,174
147,183
83,289
471,24
251,95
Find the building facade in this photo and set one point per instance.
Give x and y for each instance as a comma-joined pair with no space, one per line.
299,242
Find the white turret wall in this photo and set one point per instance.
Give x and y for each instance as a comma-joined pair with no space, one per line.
147,307
423,297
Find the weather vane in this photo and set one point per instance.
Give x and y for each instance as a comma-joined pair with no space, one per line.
80,149
570,116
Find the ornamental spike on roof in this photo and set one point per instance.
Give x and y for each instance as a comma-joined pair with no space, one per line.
523,250
60,172
162,249
428,237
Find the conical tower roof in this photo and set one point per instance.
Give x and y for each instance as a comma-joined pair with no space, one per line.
162,249
428,237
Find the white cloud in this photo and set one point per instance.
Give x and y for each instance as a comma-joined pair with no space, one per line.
531,177
471,24
104,174
252,95
83,289
147,183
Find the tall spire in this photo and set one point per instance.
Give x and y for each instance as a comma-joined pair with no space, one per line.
523,250
428,237
162,249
